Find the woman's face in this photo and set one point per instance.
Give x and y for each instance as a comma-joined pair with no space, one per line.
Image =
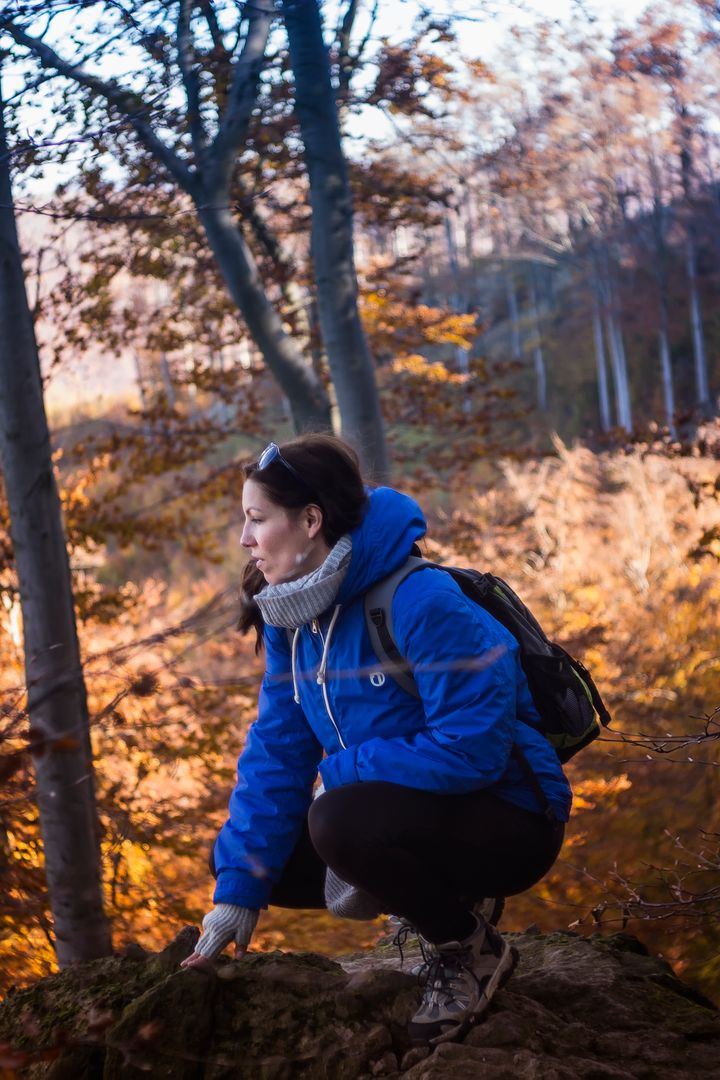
283,544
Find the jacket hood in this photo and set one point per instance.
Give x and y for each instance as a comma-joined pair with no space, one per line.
393,522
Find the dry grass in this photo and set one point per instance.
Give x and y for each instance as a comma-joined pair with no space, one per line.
603,547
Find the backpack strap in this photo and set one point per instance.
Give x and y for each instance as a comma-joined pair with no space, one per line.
378,619
597,701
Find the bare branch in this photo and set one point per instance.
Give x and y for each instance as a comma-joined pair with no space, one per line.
208,9
241,97
35,306
686,890
125,101
664,745
347,64
364,43
191,82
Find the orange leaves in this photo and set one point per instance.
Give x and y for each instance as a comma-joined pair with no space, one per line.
400,328
415,78
599,791
419,368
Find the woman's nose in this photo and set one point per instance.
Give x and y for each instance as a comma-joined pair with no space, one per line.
246,537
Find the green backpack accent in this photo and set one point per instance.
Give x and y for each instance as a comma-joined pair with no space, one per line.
570,707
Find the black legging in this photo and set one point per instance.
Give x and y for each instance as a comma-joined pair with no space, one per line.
426,857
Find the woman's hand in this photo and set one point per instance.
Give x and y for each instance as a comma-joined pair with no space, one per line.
225,923
197,960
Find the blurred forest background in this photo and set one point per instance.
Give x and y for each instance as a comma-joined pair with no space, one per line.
537,243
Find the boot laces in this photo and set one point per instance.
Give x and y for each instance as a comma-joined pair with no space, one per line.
441,971
405,931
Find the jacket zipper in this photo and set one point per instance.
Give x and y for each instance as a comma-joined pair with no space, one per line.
325,693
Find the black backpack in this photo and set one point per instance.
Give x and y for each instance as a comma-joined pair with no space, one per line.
570,707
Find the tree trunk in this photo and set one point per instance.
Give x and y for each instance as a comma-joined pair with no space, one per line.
462,356
601,365
140,380
702,391
622,361
511,293
687,173
616,345
349,359
208,182
470,231
619,366
538,356
308,400
168,387
660,261
57,705
667,379
295,310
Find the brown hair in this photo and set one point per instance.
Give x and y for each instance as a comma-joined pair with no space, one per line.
325,471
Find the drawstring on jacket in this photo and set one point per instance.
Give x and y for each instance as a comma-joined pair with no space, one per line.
322,670
293,665
326,648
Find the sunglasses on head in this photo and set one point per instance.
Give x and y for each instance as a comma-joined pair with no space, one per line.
272,453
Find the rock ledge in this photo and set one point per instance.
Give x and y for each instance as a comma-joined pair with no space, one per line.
598,1008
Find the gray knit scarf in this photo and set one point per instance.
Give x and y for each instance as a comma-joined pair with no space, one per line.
294,603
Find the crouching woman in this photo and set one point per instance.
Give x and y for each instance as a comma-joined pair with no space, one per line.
427,808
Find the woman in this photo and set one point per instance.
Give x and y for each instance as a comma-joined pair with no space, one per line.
424,809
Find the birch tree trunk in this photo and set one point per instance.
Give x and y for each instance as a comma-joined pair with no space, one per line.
622,389
601,366
167,380
462,356
514,313
702,390
660,262
57,706
687,175
617,349
667,379
348,354
140,380
538,356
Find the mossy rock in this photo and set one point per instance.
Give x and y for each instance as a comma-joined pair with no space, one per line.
596,1008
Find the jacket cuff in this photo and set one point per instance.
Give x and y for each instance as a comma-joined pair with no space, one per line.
340,769
240,888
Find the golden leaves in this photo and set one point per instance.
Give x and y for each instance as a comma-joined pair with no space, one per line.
401,327
594,790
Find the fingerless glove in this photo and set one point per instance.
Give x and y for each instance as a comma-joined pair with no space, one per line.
225,923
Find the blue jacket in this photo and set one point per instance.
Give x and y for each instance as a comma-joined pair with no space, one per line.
457,738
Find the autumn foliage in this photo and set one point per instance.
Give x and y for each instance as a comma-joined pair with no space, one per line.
605,549
496,231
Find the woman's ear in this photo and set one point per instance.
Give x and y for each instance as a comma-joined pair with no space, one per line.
313,518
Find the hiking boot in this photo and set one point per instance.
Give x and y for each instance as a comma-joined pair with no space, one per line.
490,909
461,978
